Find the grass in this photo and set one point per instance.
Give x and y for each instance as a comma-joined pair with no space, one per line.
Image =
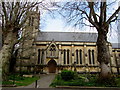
20,81
118,81
81,80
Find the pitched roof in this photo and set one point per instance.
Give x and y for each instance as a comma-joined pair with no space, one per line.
70,36
115,45
67,36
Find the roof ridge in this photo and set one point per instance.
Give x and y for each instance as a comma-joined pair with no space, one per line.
66,32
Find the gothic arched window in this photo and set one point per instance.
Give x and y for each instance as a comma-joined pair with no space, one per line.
52,49
64,57
93,57
68,56
80,56
42,56
89,53
76,56
31,21
38,56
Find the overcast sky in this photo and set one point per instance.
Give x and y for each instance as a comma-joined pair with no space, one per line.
55,22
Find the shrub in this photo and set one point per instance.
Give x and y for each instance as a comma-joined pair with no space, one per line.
67,75
107,82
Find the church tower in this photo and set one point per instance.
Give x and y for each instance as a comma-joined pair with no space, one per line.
27,51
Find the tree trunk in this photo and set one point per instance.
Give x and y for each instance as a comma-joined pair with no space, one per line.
5,54
103,55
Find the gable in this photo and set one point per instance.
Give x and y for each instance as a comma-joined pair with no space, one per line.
51,44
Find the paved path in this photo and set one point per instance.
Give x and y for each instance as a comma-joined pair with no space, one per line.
43,82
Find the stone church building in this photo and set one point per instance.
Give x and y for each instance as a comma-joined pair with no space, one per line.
51,52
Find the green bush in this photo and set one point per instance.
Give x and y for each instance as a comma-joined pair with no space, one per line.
67,75
81,81
108,82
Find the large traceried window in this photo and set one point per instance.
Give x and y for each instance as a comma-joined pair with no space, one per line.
52,51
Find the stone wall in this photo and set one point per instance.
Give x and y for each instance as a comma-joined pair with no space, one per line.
73,46
83,67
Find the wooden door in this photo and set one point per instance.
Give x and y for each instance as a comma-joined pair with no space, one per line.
52,66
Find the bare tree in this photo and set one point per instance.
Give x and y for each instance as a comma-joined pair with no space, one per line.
13,16
97,14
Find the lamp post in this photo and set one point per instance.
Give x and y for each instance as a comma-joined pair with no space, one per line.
87,71
86,68
32,68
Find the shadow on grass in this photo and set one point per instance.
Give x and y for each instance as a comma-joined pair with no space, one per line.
19,80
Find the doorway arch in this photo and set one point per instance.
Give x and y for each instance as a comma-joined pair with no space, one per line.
52,66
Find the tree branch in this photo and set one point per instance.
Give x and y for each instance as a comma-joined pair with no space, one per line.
113,15
92,12
5,12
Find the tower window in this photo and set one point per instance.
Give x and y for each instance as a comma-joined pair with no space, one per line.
31,21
